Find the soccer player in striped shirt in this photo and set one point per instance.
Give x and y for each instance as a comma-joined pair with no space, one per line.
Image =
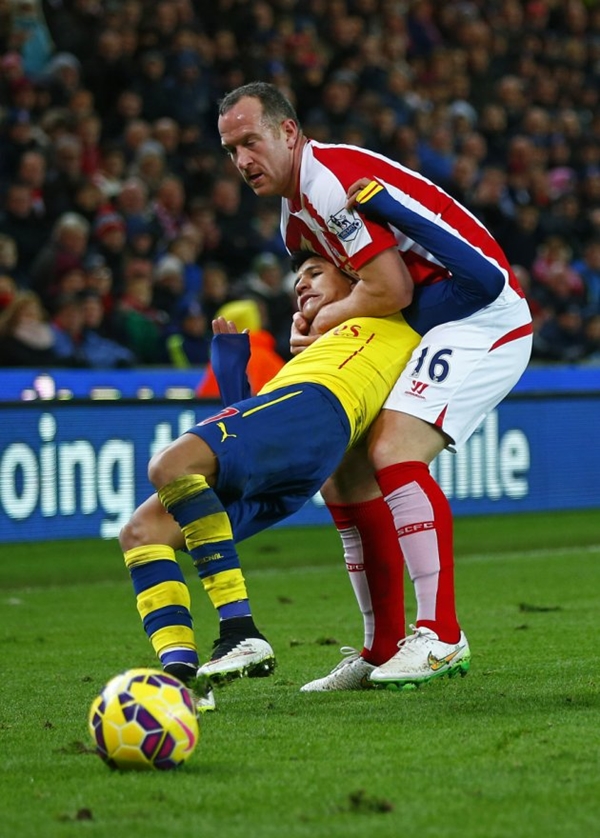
405,239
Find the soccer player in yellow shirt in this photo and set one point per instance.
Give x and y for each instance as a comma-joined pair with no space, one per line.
249,466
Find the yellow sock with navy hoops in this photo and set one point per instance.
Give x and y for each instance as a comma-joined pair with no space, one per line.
209,540
163,602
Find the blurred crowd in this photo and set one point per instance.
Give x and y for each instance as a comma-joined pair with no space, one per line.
124,228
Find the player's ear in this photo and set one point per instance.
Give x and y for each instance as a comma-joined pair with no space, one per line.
291,132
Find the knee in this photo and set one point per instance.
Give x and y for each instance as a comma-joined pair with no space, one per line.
383,452
400,438
160,470
131,534
330,492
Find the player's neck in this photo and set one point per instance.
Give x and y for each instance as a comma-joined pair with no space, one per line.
292,192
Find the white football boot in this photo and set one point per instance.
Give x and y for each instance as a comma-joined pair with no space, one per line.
238,657
351,673
205,703
422,657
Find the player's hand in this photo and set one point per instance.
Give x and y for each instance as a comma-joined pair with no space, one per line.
355,189
220,326
299,337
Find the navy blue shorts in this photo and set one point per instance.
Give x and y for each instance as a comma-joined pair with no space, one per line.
275,451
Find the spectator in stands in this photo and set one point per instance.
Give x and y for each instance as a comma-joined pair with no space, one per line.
150,85
463,179
107,72
189,338
99,281
168,208
17,137
189,89
65,173
26,339
265,285
237,246
29,34
203,218
588,268
88,200
187,247
139,325
8,290
109,242
142,237
111,171
132,200
79,344
73,26
23,96
561,337
216,288
23,225
552,270
96,321
149,165
88,128
491,200
31,171
337,111
9,256
67,248
265,224
141,226
124,123
167,132
70,283
160,29
437,154
565,217
11,68
63,73
264,361
80,104
521,236
168,294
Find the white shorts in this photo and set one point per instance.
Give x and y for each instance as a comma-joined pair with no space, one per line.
462,369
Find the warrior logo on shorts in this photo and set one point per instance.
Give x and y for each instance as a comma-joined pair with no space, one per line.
417,388
345,225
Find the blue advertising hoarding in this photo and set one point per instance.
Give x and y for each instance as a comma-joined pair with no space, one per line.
146,383
78,469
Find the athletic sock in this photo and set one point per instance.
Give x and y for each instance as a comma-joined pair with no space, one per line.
376,572
423,521
242,627
163,602
185,672
209,540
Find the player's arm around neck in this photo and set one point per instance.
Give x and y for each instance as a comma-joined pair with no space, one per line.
385,287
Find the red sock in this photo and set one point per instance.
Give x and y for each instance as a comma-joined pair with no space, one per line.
376,570
423,521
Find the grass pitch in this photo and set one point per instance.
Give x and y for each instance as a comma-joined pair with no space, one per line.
511,751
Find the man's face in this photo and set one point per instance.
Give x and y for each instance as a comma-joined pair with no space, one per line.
319,282
263,156
18,201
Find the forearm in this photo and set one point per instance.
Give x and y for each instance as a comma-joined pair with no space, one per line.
230,356
364,301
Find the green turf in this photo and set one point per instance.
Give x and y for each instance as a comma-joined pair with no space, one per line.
511,751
